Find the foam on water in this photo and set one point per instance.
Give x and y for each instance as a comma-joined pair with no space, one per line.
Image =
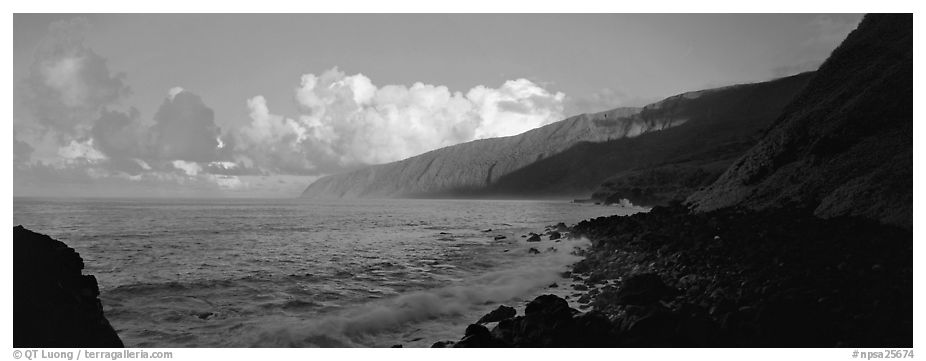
291,273
358,326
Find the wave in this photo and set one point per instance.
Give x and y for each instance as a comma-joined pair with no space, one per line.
352,327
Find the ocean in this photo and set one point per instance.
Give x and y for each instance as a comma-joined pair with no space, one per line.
299,273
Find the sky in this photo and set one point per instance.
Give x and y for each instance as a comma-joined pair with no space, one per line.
248,105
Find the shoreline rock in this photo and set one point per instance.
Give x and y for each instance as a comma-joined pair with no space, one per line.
54,305
727,278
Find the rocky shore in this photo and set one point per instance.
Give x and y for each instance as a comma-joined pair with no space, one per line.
729,278
54,305
804,241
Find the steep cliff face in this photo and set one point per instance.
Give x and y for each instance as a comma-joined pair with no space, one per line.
54,305
844,146
572,157
472,166
721,124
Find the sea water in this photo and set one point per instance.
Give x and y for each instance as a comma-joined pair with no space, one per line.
298,273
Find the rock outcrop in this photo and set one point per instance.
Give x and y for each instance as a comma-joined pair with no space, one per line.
548,321
54,305
844,146
774,278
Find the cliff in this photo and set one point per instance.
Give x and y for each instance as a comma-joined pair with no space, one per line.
805,241
844,147
54,305
571,158
721,125
471,166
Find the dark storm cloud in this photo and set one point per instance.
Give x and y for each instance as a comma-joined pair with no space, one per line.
185,129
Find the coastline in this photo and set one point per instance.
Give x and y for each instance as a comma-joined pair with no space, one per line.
728,278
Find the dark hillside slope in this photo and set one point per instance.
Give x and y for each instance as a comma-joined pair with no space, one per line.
722,124
470,166
844,147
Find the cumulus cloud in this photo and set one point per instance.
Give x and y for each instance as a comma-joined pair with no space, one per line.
67,129
346,120
71,125
185,129
68,83
190,168
83,150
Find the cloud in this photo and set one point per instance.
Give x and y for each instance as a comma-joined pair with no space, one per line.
190,168
81,151
71,125
22,151
68,131
119,134
185,129
346,120
515,107
68,83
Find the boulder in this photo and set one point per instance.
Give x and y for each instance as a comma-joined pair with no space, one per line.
498,314
477,336
643,289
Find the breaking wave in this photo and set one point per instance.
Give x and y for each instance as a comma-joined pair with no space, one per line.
357,325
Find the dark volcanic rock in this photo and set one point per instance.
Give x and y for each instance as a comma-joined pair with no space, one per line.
844,146
533,251
547,322
643,289
533,238
443,344
498,314
499,237
766,279
54,305
477,336
555,235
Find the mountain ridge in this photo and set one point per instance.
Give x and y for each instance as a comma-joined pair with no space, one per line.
844,146
490,167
